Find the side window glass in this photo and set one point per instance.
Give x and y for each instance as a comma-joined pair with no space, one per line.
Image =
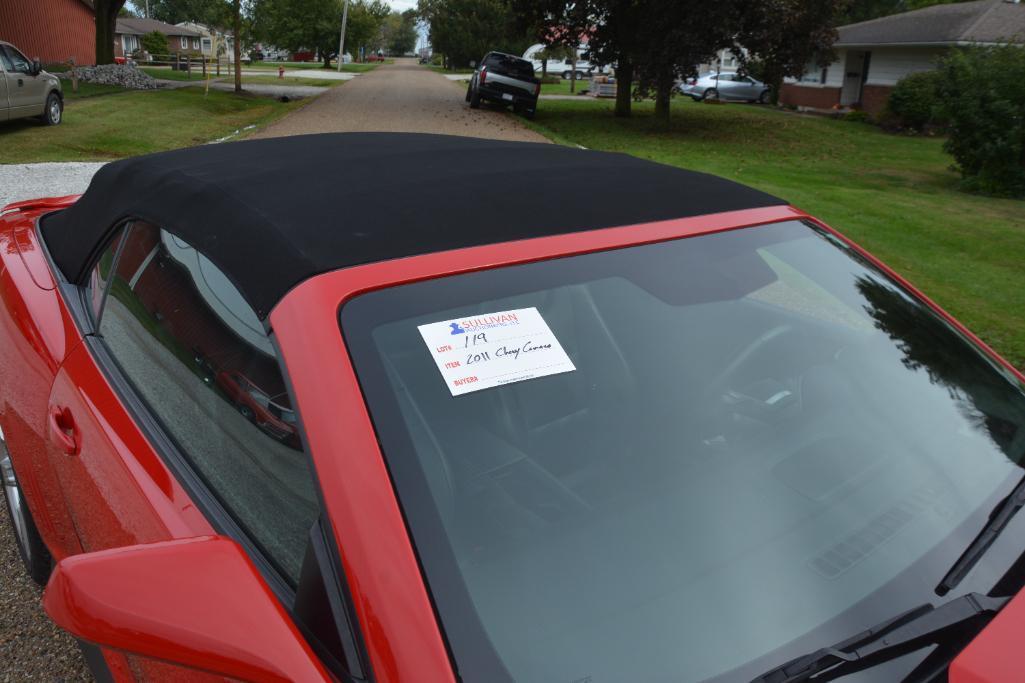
5,60
199,357
18,61
96,287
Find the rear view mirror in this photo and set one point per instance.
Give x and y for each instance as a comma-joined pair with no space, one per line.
36,67
197,602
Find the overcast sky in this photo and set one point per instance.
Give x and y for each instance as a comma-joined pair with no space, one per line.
401,5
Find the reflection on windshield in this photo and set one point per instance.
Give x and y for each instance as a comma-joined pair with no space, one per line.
761,432
921,337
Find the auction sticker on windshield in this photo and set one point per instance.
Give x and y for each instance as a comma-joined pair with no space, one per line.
483,351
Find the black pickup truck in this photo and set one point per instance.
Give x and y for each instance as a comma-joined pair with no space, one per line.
505,79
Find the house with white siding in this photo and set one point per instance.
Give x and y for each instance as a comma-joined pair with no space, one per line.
871,56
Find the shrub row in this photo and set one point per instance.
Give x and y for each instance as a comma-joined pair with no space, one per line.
978,95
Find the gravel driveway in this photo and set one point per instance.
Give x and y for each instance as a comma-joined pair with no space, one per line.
29,181
31,647
400,97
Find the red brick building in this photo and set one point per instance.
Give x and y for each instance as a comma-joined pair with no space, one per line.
50,30
873,55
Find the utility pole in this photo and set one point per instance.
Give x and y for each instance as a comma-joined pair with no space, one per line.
341,39
147,9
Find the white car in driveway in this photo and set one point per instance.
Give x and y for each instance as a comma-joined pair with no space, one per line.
725,86
565,68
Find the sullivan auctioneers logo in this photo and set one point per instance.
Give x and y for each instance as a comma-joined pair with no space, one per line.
487,322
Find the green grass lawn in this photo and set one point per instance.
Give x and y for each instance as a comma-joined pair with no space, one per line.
168,75
895,195
137,122
89,90
562,87
289,80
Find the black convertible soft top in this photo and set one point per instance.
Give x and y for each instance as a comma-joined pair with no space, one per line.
272,213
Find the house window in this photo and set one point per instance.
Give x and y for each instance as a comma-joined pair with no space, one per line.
813,73
184,43
195,43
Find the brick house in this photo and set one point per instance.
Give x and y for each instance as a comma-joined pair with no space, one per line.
209,37
51,30
873,55
130,30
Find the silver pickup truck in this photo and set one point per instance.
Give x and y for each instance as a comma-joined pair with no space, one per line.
27,90
505,79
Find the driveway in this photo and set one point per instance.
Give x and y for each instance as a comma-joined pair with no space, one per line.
51,179
400,97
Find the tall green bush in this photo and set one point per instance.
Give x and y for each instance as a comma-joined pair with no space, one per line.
983,93
154,43
915,103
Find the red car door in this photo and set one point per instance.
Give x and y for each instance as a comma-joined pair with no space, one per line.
147,447
35,335
117,488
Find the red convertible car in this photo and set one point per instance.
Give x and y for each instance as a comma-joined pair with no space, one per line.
258,407
673,429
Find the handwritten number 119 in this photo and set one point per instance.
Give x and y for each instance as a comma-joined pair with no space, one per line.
479,338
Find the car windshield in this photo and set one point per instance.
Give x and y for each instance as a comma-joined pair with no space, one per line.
509,66
730,448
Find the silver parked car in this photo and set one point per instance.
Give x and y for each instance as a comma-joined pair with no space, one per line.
27,90
725,86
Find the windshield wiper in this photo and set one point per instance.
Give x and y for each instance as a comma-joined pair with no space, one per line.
916,626
998,521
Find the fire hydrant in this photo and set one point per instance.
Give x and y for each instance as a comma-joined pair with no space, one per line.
281,72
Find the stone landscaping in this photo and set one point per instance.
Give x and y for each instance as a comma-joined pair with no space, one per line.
122,75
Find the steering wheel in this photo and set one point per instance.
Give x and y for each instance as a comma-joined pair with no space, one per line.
723,380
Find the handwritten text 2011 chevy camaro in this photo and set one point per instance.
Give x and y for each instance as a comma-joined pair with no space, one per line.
667,429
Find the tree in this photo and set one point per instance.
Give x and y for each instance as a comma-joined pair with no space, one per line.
656,42
785,36
154,43
610,25
363,30
298,25
982,91
466,30
565,32
314,24
106,25
863,10
553,52
614,41
398,33
209,12
236,29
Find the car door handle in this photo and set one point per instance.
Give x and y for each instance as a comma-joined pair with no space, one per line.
20,82
63,431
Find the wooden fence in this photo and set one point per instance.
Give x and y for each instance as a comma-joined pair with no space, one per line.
214,67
